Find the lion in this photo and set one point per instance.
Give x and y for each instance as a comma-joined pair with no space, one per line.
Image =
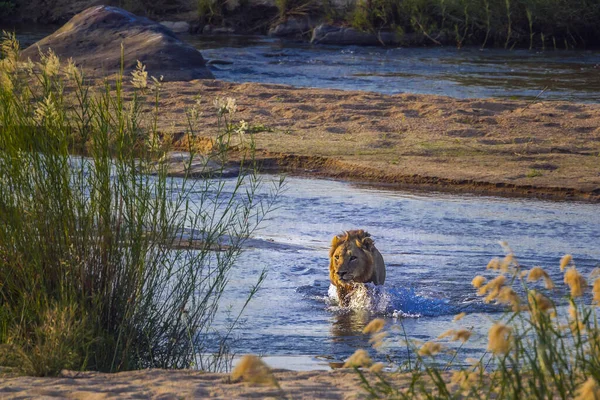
354,259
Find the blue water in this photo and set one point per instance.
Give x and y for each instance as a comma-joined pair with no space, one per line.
465,73
445,71
433,246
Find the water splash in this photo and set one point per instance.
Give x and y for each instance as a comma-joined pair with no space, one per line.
392,302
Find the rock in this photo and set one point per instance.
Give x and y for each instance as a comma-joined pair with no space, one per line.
93,39
177,27
291,27
340,35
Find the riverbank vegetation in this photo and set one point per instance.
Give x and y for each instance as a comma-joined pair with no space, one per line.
540,348
543,24
94,270
539,24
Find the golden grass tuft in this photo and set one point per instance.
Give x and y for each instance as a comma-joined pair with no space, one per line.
575,281
374,326
251,369
478,281
430,349
509,297
360,358
565,261
460,316
499,338
377,367
596,291
589,390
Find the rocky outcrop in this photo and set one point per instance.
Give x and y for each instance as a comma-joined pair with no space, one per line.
292,27
93,40
176,26
340,35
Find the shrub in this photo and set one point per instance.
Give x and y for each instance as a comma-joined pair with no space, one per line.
106,262
538,349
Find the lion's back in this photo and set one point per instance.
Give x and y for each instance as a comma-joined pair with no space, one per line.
378,267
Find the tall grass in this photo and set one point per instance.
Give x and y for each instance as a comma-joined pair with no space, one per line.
95,272
506,23
538,349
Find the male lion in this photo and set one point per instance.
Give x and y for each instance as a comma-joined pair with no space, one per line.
353,259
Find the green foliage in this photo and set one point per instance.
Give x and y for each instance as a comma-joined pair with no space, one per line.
107,262
6,8
506,23
288,8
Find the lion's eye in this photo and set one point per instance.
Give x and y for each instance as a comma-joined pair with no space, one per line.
337,257
352,258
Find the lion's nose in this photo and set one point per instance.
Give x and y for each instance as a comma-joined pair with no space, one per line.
342,274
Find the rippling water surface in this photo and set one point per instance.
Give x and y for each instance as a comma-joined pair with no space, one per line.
447,71
465,73
433,246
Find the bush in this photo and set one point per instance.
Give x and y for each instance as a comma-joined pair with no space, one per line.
538,349
106,262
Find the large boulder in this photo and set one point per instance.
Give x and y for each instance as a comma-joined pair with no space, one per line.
93,39
341,35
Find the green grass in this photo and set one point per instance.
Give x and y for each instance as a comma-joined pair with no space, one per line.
536,349
91,276
485,23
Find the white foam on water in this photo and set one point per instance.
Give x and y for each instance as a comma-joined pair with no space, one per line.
376,299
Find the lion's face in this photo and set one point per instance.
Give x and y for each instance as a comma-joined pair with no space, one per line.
351,261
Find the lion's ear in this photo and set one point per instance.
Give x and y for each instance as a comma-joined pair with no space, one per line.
367,243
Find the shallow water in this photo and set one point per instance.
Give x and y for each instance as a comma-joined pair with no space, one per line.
433,245
447,71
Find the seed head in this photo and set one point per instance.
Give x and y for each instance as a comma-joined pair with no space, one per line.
360,358
253,370
460,316
499,338
478,281
377,367
139,75
565,261
430,349
374,326
576,282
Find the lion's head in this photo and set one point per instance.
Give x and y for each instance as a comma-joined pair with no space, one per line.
351,259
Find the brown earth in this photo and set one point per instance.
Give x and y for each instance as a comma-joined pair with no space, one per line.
187,384
484,146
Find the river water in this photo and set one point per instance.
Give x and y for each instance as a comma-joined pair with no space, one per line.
433,246
465,73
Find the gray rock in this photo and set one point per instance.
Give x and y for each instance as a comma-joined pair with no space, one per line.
340,35
291,27
93,39
177,26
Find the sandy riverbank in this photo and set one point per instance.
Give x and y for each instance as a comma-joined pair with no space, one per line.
177,384
483,146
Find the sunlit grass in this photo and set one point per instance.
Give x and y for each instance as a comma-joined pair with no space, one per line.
91,273
537,349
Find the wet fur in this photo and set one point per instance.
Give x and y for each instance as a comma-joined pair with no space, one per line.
368,266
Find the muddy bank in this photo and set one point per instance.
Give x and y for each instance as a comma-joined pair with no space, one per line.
484,146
